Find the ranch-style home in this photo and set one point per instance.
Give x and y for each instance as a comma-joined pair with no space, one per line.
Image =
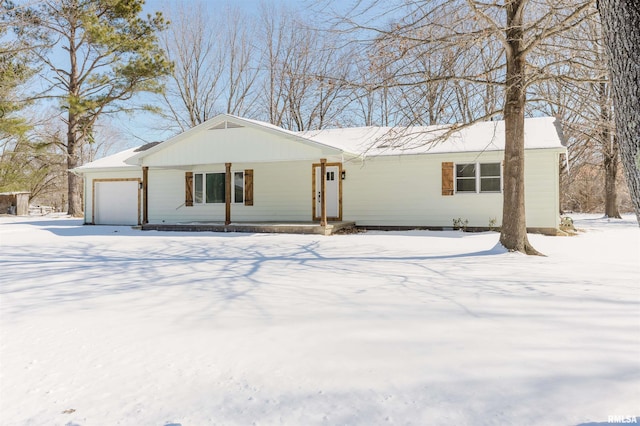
233,170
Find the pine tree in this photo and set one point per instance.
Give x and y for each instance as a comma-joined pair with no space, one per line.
101,53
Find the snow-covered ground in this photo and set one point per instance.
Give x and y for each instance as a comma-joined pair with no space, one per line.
108,325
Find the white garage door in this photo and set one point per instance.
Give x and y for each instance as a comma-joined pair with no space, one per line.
116,203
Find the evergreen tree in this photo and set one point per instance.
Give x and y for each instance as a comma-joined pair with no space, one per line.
100,54
14,71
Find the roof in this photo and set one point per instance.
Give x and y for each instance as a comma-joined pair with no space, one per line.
115,161
540,133
237,122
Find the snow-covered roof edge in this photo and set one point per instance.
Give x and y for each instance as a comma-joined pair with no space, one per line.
540,133
218,119
111,162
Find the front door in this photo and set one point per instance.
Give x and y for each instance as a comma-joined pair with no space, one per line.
333,191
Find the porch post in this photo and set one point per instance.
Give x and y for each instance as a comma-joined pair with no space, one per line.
227,194
145,199
323,190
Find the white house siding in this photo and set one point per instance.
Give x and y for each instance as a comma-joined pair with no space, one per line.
234,145
382,191
103,175
542,193
407,191
281,192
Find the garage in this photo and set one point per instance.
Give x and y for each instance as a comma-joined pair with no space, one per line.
116,202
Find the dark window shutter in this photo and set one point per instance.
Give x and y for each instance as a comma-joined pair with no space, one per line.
447,178
188,189
248,187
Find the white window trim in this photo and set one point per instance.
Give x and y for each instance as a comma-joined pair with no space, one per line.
204,187
477,178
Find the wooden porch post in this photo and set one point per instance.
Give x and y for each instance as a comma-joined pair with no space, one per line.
145,198
227,194
323,190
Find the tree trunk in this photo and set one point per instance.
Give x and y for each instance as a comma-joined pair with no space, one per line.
610,176
621,30
610,155
513,235
74,182
74,141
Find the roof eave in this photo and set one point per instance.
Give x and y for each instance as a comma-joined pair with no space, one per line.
83,170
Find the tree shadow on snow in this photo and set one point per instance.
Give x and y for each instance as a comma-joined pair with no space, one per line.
227,270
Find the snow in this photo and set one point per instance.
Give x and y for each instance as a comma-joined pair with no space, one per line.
116,160
111,325
540,133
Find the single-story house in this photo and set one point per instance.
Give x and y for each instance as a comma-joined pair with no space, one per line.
233,169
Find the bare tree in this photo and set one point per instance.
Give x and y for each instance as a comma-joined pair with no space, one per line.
426,98
216,64
33,160
609,144
374,91
305,71
621,29
276,26
242,63
370,98
196,86
515,30
577,90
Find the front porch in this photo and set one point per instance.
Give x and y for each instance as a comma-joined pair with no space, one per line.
254,227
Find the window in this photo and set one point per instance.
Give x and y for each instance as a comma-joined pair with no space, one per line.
214,187
210,188
482,177
238,187
465,177
490,177
198,186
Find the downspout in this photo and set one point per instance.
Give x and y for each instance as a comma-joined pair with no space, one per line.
145,192
227,195
323,188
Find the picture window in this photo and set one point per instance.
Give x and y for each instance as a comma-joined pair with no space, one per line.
210,188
